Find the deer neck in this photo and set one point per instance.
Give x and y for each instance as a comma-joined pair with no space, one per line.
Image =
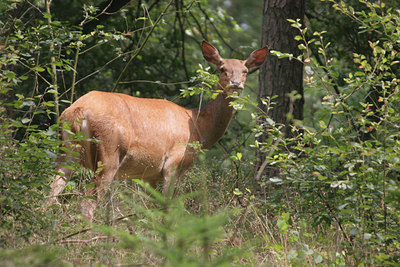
214,119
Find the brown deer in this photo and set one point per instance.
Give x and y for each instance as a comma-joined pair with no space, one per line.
147,138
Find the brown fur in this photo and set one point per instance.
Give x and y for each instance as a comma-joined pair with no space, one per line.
147,138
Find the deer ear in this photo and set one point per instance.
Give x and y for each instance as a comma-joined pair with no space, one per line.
256,58
210,53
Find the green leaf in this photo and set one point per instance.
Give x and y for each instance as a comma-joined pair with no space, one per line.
276,180
282,222
89,185
318,258
50,132
237,192
51,154
28,103
367,236
46,15
38,69
335,74
298,38
10,75
25,120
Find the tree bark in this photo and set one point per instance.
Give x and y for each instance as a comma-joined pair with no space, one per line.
280,77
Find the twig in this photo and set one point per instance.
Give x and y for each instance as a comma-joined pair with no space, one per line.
155,82
140,48
53,60
101,68
123,217
216,30
78,241
198,25
182,30
73,234
74,74
265,163
338,221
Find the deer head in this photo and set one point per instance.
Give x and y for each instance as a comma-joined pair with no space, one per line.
233,72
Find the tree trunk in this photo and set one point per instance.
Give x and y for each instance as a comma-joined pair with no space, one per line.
280,77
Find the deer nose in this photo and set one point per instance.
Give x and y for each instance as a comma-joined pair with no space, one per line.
237,84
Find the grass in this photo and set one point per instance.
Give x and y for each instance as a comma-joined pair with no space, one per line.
210,223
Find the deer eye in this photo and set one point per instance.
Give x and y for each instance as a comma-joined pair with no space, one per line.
245,71
222,69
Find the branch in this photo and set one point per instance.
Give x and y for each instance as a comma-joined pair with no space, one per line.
53,60
107,8
74,74
79,241
316,56
198,25
182,30
73,234
101,68
141,46
216,30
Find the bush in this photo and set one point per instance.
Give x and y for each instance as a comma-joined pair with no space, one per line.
343,169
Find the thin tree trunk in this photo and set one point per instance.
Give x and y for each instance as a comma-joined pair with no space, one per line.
280,77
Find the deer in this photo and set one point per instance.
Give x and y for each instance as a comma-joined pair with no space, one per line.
143,138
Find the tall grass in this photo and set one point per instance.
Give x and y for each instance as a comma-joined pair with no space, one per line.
210,223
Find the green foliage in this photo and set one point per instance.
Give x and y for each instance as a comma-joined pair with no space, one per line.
333,194
204,83
172,234
37,255
339,169
49,57
27,151
25,168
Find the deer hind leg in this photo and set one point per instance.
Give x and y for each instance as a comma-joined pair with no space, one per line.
103,158
102,180
63,176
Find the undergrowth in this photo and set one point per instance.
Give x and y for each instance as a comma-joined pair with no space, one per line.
334,200
208,224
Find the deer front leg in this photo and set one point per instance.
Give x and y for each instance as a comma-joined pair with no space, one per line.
169,185
173,171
